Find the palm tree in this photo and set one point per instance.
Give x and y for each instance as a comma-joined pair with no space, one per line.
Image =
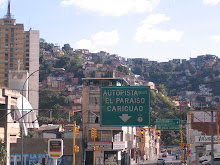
3,153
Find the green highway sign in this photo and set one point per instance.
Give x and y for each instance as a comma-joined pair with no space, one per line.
168,124
125,106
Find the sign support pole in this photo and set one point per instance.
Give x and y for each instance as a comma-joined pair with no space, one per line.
54,161
217,134
181,133
212,144
74,142
94,153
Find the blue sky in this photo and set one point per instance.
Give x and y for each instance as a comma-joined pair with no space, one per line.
159,30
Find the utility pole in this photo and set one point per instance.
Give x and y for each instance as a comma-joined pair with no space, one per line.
217,133
181,144
212,133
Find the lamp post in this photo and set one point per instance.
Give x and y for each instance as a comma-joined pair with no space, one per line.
22,117
22,112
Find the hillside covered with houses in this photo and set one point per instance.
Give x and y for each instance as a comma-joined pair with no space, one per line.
192,81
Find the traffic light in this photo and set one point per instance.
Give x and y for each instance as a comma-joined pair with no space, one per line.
182,144
142,133
77,131
76,148
158,133
95,148
94,133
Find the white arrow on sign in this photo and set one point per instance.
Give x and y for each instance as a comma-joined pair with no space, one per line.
125,117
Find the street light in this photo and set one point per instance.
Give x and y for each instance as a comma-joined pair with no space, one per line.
22,117
22,111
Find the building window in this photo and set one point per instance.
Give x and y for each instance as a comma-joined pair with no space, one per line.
93,117
117,136
94,99
106,136
12,30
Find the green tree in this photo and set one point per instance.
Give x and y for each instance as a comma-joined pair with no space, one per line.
51,99
3,153
42,59
192,69
123,69
63,62
75,64
161,88
146,75
46,46
138,69
169,67
67,48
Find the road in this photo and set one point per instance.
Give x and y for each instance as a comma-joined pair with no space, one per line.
168,161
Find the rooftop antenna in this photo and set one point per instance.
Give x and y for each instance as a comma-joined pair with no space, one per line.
9,9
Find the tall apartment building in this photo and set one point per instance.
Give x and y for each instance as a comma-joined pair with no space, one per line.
115,143
19,54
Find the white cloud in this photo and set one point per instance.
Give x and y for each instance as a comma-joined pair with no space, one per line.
148,32
216,38
84,44
211,2
100,39
154,19
2,3
113,7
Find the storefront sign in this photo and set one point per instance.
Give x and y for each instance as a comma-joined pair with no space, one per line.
32,158
101,145
55,148
118,145
203,139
